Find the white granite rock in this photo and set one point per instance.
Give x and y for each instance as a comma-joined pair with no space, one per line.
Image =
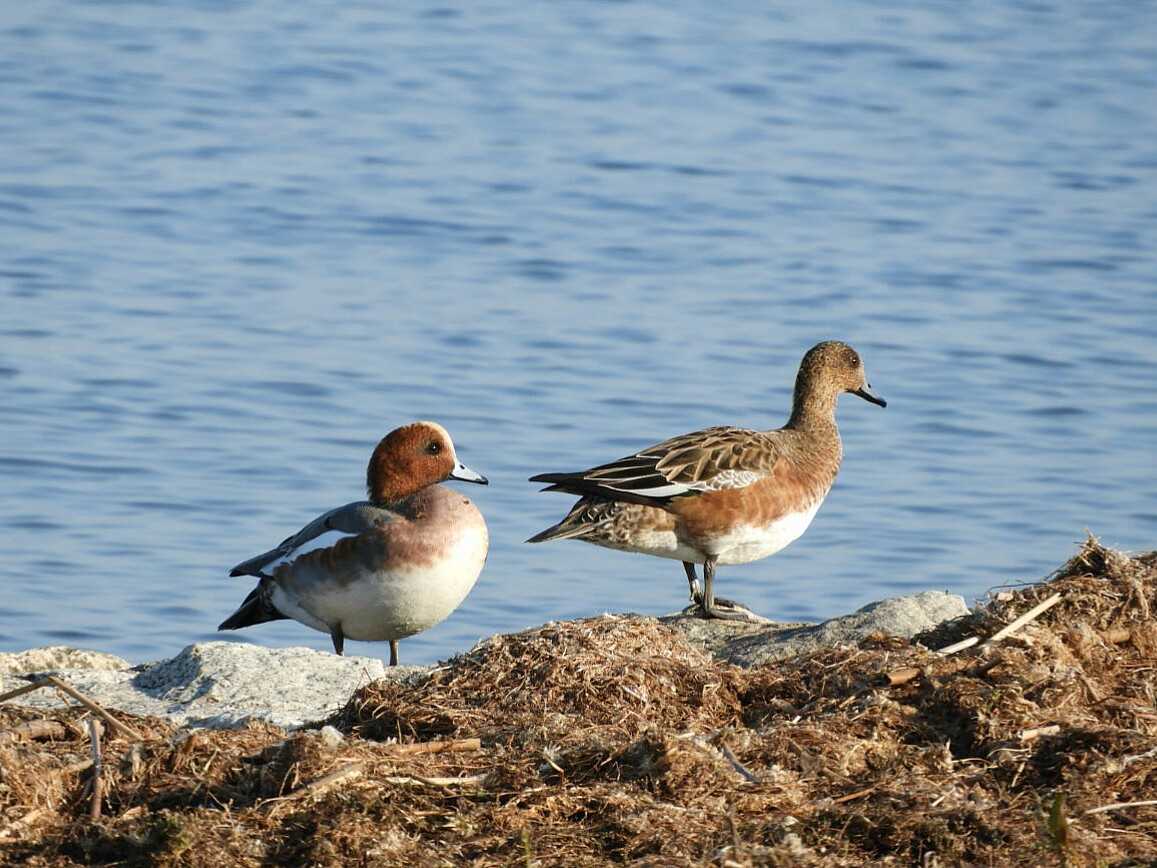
222,684
55,657
752,644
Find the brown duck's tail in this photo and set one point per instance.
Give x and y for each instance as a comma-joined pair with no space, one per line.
585,516
255,610
562,530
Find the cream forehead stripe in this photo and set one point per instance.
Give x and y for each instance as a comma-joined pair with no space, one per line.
445,434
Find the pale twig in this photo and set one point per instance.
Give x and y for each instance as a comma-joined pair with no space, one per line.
908,673
131,762
550,761
322,784
77,767
1102,808
1129,760
958,646
1035,611
858,794
737,765
902,676
451,746
470,781
1005,631
1037,732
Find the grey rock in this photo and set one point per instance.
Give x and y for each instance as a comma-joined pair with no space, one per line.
53,658
224,684
753,644
330,737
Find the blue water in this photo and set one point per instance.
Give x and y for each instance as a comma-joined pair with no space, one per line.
240,241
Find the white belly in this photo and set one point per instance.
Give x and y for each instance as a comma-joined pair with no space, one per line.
748,543
396,603
661,544
742,545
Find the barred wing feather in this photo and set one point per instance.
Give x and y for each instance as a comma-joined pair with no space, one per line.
710,460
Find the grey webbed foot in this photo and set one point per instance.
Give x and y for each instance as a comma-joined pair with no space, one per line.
708,606
697,599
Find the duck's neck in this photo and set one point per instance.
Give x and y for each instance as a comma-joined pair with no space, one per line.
813,409
815,435
411,505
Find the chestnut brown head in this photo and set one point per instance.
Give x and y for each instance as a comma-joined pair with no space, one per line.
412,457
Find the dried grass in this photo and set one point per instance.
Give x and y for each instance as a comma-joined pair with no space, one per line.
612,740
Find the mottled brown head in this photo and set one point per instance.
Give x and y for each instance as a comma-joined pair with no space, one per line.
828,369
410,458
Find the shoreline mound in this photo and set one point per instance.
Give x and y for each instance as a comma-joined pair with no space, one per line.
615,740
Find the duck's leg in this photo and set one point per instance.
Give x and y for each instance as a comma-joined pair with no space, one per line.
692,582
393,652
697,595
724,610
338,638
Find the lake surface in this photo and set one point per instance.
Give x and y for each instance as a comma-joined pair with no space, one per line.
240,241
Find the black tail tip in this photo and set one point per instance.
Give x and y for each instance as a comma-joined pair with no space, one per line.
246,615
550,477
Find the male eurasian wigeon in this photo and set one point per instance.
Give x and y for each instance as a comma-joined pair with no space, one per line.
383,568
722,495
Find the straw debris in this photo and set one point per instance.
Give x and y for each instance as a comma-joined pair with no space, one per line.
613,740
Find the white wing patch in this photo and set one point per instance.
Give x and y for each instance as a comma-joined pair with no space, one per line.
672,489
321,541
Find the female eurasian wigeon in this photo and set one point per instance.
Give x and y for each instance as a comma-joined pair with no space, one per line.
381,569
722,495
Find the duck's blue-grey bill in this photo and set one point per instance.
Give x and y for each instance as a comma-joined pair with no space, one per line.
465,474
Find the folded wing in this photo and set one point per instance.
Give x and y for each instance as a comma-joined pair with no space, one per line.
322,532
710,460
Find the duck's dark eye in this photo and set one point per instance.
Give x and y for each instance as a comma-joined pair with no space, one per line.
433,447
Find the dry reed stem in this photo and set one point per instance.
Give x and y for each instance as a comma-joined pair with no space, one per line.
94,731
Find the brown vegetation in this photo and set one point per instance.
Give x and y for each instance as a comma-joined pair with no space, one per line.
613,740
